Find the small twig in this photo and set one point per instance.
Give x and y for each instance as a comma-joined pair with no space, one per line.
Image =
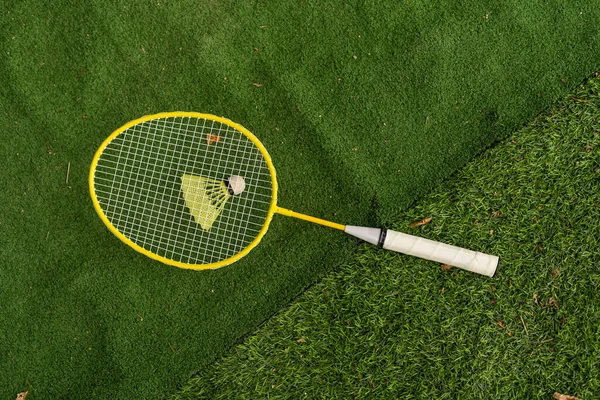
68,171
83,71
524,326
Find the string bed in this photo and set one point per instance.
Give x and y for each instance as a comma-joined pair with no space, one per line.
138,186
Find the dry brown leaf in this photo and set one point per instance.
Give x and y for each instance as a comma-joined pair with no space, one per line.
579,100
257,84
446,267
552,302
559,396
500,324
49,150
535,298
22,395
421,222
301,340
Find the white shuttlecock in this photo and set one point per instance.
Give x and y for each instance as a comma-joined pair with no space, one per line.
236,184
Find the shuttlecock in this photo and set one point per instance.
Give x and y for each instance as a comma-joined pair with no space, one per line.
236,184
205,198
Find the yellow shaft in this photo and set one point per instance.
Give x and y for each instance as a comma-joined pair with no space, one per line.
290,213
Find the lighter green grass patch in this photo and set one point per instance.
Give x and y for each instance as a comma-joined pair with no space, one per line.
391,326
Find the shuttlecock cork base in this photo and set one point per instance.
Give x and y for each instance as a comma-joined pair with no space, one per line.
235,185
206,198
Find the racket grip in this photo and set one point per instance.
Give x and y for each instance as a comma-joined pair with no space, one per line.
469,260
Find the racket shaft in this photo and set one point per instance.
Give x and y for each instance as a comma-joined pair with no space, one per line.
294,214
469,260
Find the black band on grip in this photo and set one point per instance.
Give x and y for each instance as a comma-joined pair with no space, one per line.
382,236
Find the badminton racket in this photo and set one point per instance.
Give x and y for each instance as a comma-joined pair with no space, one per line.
199,191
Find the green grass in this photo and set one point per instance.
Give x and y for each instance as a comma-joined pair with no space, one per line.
390,326
364,107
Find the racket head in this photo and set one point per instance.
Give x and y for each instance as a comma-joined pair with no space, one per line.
135,183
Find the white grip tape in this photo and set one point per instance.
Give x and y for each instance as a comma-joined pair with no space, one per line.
469,260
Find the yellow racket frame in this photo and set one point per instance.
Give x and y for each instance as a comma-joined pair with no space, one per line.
273,208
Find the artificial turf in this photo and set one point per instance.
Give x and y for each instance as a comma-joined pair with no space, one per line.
363,106
390,326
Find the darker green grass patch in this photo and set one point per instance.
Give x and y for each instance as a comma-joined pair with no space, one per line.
363,106
390,326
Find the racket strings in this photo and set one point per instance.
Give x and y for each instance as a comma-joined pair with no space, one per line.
138,185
